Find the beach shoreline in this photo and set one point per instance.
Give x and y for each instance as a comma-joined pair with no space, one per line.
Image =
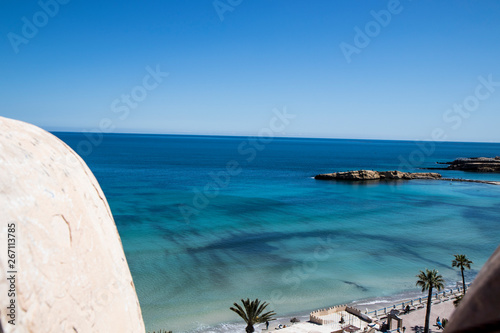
413,319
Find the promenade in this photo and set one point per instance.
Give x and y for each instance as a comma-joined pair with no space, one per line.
411,322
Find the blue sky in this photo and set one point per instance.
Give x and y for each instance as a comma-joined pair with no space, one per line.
226,76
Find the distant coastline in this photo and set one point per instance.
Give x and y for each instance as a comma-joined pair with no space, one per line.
473,164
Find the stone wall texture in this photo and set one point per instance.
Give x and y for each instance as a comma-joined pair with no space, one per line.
72,274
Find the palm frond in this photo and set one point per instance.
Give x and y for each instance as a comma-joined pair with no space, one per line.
239,310
430,279
461,261
252,311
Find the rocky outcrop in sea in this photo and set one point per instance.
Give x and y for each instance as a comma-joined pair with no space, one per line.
359,175
474,164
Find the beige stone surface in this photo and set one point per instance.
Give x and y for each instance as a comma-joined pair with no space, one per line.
72,275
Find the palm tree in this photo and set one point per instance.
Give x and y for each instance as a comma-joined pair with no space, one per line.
463,262
458,300
427,281
252,313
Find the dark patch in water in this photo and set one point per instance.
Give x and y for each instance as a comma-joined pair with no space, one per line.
400,247
481,218
158,209
127,219
241,206
254,243
358,286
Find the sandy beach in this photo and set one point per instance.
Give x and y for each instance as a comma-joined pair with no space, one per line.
413,321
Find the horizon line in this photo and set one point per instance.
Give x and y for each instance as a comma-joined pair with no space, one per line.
255,136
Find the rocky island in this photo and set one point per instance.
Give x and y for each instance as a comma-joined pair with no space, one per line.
377,175
474,164
365,175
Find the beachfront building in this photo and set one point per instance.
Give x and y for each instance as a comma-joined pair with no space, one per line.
342,318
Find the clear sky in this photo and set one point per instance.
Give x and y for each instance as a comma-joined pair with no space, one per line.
345,69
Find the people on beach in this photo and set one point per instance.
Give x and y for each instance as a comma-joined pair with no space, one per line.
267,325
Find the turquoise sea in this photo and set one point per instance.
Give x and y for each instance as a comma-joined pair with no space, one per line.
206,221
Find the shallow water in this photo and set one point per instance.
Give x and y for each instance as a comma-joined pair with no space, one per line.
271,231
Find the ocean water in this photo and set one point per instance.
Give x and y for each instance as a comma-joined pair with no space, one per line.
206,221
